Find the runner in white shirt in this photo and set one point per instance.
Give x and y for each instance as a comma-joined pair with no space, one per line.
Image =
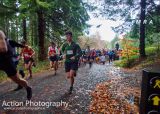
103,58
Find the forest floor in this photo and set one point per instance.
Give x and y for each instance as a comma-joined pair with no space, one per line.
121,93
99,89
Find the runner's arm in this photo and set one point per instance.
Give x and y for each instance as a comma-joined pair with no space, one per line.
48,51
33,52
79,52
63,48
15,44
21,53
57,51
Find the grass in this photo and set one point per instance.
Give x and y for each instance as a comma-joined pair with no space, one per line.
125,63
152,56
2,76
151,50
40,67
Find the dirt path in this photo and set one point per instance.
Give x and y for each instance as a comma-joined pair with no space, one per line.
50,88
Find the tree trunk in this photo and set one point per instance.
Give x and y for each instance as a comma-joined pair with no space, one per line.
24,30
17,30
142,29
41,36
35,32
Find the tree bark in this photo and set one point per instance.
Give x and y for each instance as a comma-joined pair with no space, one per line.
142,29
41,35
24,30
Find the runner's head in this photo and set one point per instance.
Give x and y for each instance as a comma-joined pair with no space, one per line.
69,36
23,42
53,44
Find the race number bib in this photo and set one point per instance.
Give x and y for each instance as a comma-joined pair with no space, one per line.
26,55
69,52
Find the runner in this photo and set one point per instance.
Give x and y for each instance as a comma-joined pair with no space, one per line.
60,58
53,56
102,58
72,52
84,57
7,64
89,56
110,54
27,53
15,58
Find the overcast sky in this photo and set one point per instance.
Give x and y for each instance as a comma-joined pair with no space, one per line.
104,30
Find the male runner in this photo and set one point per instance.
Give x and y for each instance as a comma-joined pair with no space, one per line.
7,64
72,52
15,58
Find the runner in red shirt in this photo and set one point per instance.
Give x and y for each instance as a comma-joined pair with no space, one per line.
53,56
27,53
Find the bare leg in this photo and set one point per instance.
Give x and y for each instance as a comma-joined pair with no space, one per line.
51,64
72,73
55,66
23,83
19,81
68,75
30,69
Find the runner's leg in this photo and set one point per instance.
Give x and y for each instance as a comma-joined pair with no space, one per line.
72,73
23,83
30,68
55,67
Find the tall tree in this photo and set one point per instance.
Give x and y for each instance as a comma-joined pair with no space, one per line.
142,29
128,11
51,19
24,29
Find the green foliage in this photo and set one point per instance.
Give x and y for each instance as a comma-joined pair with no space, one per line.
114,41
151,50
134,33
45,20
127,63
40,67
3,76
151,58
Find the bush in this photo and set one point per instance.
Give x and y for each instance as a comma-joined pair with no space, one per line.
2,76
125,63
40,67
150,50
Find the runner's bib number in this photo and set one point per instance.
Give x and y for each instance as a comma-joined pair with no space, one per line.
26,55
69,52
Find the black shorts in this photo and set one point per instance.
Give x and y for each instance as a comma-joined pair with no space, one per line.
71,66
88,58
8,66
84,57
53,58
26,61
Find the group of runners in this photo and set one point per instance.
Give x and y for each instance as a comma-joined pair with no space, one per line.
9,59
70,52
98,55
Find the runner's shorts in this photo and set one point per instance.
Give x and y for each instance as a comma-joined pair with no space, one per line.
26,61
53,58
85,57
8,66
73,65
